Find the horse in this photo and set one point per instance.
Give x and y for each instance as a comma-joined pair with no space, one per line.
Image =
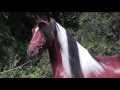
69,59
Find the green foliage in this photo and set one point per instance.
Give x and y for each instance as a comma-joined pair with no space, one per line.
99,32
41,70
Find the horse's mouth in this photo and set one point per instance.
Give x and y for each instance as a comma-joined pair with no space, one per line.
30,56
34,55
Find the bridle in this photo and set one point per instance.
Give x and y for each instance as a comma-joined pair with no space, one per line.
39,45
42,44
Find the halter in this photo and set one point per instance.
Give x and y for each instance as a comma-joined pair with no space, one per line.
41,45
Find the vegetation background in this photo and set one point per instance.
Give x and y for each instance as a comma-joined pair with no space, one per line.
99,32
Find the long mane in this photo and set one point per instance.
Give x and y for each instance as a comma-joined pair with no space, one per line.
77,61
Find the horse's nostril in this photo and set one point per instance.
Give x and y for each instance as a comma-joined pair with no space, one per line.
32,52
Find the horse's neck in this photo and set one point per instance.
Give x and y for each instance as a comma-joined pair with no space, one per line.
56,60
62,39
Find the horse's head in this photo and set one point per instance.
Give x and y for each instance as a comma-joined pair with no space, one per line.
42,37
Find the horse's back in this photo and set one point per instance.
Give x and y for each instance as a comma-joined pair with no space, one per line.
109,59
111,65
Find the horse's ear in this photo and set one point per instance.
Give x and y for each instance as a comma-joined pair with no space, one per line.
48,17
38,18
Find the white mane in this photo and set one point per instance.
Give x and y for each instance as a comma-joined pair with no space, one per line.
62,38
87,62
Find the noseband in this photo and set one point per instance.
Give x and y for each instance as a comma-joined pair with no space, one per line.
39,45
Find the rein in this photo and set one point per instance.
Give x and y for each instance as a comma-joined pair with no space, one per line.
18,67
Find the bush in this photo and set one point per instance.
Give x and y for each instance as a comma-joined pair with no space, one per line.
99,32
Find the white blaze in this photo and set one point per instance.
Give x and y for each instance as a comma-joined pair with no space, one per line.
36,29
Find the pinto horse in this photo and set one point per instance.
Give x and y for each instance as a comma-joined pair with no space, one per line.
68,58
